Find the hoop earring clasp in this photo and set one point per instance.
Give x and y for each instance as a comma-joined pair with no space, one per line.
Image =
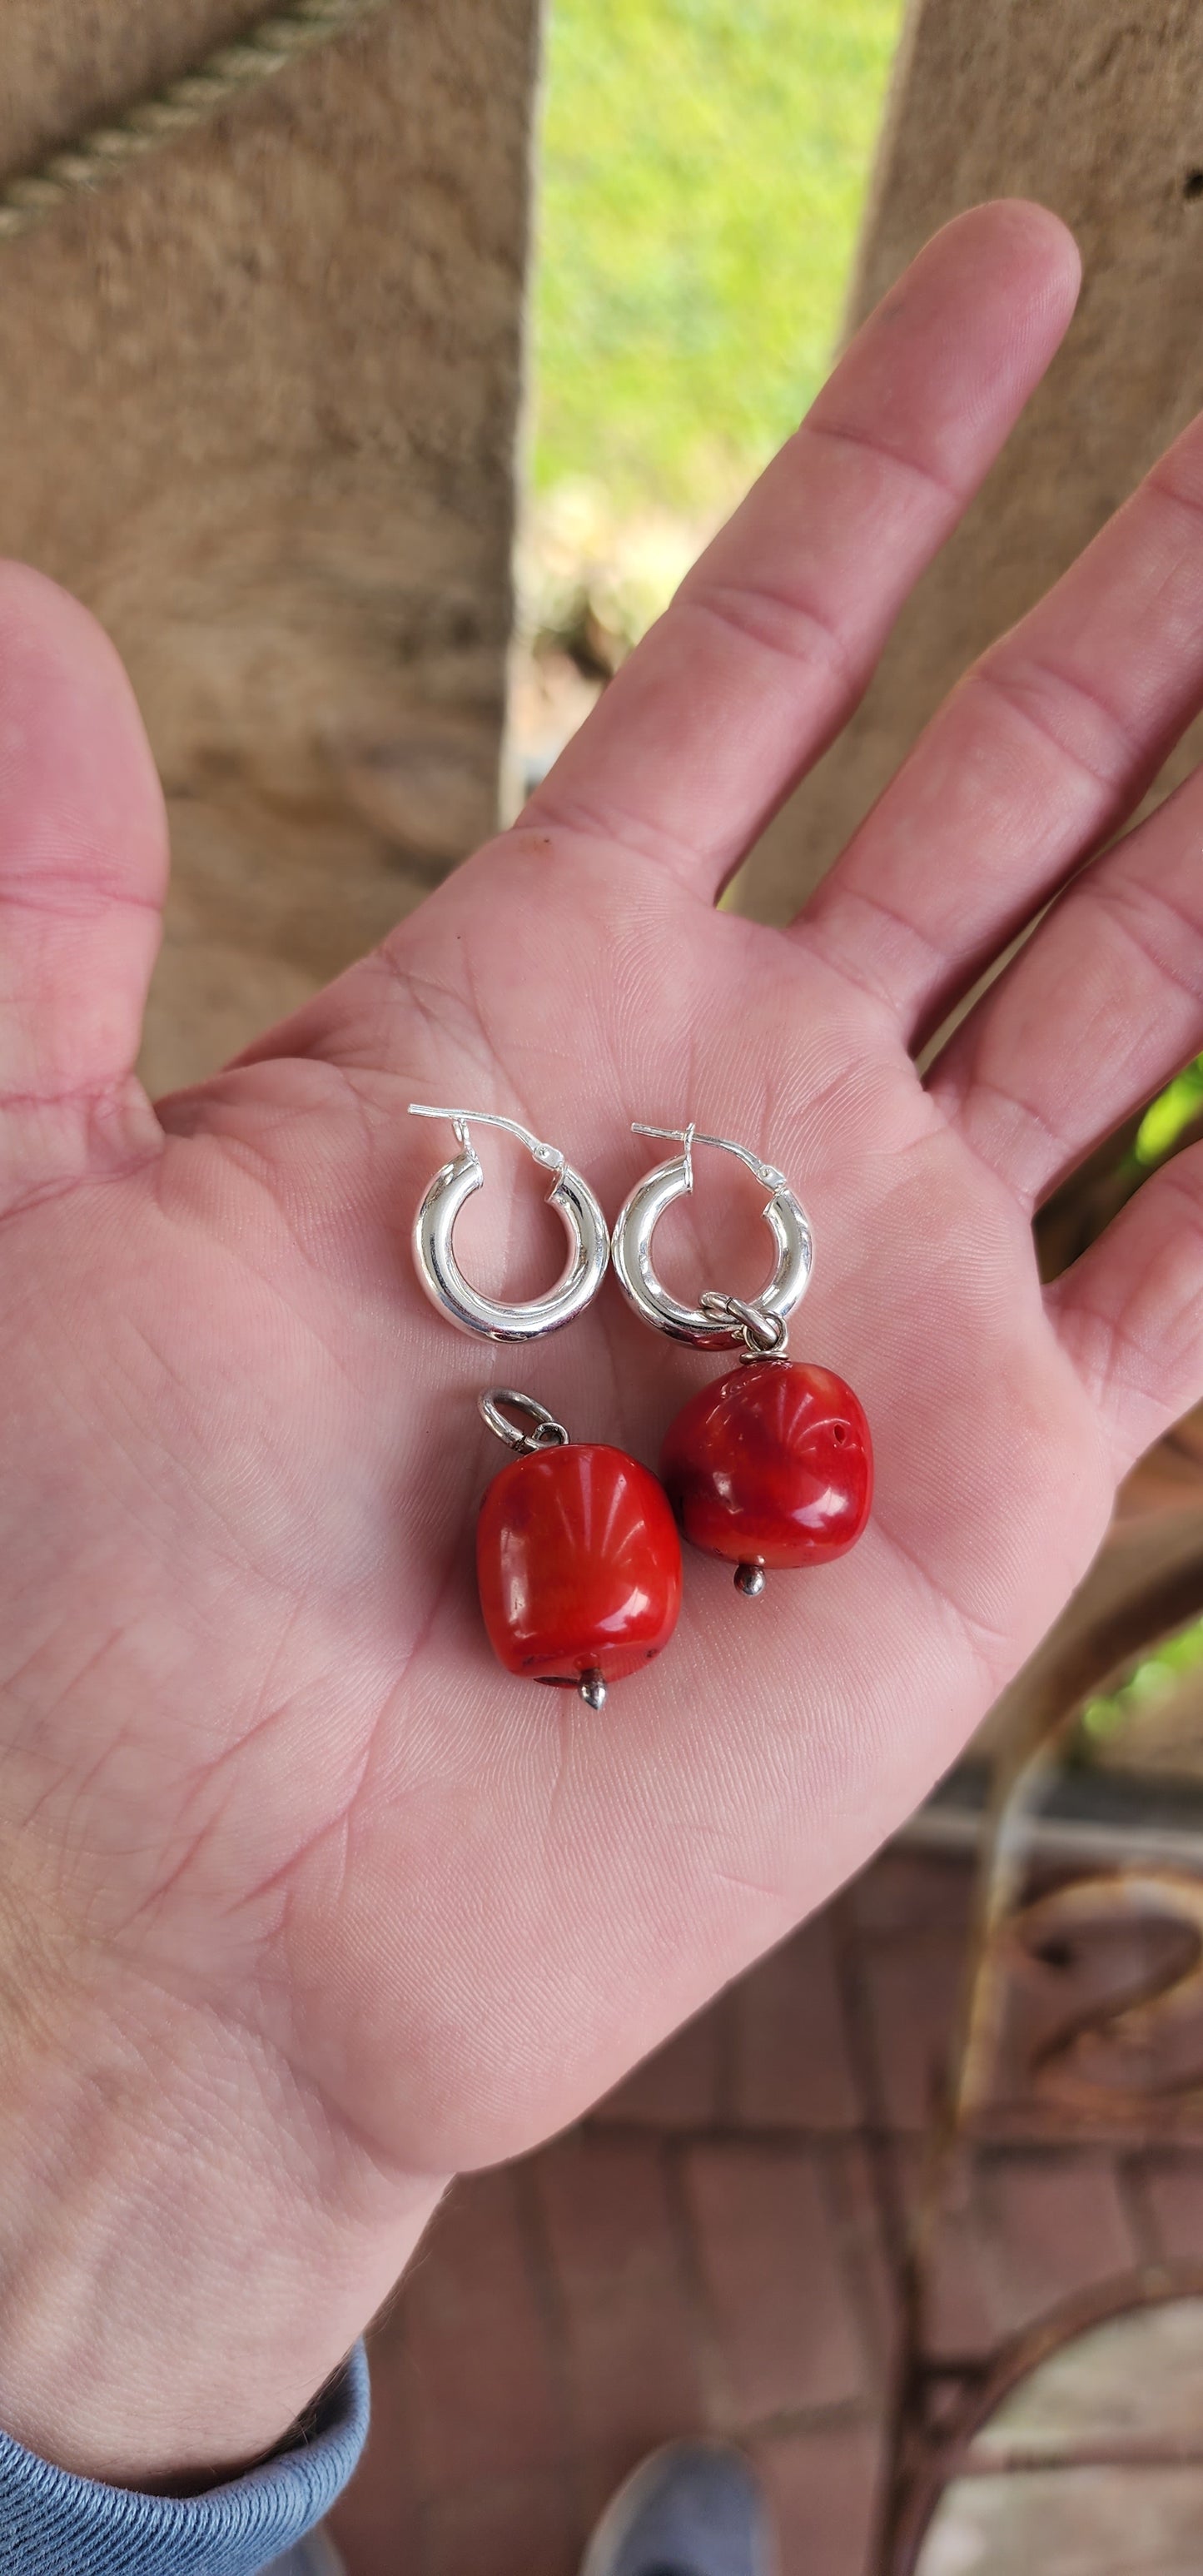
717,1322
434,1256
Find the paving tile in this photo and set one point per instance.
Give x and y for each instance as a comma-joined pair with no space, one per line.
912,1990
629,2317
481,2364
912,1891
768,2254
678,2088
646,2278
520,2526
958,2323
1056,2224
854,2189
1172,2191
377,2521
1014,2233
790,2063
957,2320
825,2491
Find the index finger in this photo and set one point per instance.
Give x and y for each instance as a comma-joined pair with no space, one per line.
773,636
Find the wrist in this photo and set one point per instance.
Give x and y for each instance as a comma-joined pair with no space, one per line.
188,2247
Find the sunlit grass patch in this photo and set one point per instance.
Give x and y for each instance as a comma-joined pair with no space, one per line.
1167,1117
703,171
1154,1678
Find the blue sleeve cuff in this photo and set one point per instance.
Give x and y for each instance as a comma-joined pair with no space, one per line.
52,2524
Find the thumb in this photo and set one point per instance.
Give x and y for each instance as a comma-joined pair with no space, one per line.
83,871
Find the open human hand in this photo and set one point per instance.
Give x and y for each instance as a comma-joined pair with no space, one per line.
304,1903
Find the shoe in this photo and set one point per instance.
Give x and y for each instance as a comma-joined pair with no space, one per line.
692,2509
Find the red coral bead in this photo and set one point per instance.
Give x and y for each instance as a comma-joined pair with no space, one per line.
771,1466
579,1564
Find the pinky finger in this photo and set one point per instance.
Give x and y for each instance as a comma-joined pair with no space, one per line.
1129,1313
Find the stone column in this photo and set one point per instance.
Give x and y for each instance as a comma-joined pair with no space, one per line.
1095,107
257,407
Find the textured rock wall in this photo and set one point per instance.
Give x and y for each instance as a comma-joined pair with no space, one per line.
1096,108
257,407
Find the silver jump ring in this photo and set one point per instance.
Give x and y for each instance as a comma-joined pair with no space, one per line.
765,1335
547,1434
717,1322
434,1255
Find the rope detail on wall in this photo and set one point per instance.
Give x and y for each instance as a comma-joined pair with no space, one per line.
96,159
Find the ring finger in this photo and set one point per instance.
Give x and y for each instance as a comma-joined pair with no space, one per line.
1100,1008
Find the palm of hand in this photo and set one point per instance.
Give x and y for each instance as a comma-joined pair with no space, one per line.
256,1755
304,1767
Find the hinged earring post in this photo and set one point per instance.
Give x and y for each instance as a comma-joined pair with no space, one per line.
691,1136
548,1155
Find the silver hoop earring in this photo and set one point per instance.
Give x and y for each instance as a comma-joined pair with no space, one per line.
717,1322
772,1465
434,1254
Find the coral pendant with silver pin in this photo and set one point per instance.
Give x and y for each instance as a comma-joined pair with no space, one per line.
577,1555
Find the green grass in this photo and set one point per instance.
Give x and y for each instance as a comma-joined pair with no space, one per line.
1154,1678
704,168
1167,1116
